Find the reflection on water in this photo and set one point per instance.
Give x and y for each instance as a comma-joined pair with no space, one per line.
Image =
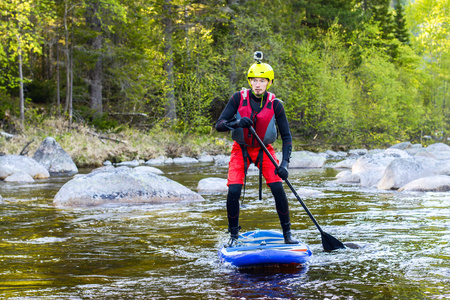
170,251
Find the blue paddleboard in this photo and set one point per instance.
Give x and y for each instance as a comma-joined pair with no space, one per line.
264,247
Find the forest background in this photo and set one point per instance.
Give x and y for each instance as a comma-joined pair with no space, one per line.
122,79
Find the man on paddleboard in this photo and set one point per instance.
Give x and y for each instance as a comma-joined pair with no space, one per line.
258,108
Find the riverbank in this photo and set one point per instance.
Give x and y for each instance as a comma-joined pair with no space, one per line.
89,148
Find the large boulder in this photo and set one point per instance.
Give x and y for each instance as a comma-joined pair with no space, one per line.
121,186
11,164
404,170
53,157
438,183
371,167
212,185
306,159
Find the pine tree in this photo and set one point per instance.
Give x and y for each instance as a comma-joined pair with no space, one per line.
401,32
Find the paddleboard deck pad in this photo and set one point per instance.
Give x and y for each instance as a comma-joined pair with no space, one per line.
264,247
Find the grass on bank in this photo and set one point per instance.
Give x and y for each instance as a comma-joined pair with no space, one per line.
88,149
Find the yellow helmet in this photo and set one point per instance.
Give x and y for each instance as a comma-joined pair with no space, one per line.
260,70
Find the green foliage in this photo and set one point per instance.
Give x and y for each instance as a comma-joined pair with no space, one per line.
401,31
101,121
344,69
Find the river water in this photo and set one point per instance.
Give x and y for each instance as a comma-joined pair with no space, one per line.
169,251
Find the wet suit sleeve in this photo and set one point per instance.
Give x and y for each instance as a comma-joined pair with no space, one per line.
228,113
283,127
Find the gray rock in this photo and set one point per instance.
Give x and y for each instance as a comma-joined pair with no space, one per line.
10,164
323,154
342,154
404,170
19,177
309,192
376,151
332,154
121,186
149,169
222,160
212,185
370,168
102,169
133,163
358,152
306,159
396,153
343,174
438,183
53,157
345,164
155,161
401,146
107,163
205,158
347,178
438,147
185,160
414,146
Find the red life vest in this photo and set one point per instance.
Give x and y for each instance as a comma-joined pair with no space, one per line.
263,122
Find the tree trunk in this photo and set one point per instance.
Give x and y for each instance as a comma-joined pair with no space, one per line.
67,53
95,75
21,97
58,99
71,77
168,64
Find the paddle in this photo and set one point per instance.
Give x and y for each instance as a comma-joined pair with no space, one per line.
328,241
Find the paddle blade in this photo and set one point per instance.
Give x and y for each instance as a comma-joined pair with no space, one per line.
331,243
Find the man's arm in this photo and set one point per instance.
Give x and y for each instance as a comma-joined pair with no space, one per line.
228,113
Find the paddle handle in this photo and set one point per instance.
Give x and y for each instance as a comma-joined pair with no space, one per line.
252,130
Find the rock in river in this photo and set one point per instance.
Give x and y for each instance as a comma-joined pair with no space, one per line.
437,183
121,186
53,157
11,164
212,185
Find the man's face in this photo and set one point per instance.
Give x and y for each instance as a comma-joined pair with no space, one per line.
259,85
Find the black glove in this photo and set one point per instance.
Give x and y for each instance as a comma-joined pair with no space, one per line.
282,170
245,122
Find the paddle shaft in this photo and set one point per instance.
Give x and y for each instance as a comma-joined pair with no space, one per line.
252,130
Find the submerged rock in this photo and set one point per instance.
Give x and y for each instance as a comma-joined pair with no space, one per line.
11,164
121,186
53,157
